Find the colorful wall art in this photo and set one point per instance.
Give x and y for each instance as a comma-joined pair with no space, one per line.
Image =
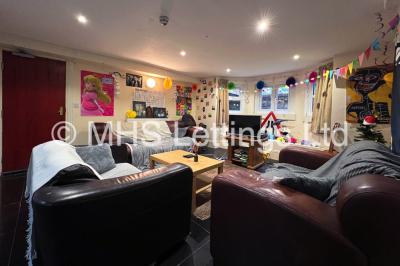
184,101
97,94
368,93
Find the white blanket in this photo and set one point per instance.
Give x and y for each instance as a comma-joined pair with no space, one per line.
146,131
46,161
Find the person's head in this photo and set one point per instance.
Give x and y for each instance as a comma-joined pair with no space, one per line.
94,84
368,80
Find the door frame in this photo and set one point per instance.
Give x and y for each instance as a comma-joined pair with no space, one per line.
68,93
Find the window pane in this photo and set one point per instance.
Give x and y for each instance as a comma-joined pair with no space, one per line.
282,99
266,99
234,94
234,105
314,87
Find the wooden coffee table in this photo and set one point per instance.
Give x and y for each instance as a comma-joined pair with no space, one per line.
203,165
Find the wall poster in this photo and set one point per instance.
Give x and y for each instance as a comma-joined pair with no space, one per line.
366,91
97,94
184,101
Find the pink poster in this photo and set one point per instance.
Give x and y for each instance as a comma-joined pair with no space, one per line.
97,94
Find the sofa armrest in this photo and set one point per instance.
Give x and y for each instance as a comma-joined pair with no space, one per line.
368,210
255,220
307,158
130,212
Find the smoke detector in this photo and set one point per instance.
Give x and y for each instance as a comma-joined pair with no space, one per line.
164,20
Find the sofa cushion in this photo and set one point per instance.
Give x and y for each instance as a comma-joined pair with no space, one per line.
99,157
121,169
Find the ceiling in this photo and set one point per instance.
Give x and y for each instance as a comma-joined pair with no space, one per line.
215,34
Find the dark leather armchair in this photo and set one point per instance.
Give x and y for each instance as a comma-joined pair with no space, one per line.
255,221
129,220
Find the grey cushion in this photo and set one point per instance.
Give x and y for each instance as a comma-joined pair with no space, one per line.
180,132
318,188
99,157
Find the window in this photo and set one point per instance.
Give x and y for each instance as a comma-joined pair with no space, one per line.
309,96
235,99
273,100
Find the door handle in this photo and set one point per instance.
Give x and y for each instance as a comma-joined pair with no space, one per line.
61,111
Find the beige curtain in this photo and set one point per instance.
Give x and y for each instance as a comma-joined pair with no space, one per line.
323,101
223,103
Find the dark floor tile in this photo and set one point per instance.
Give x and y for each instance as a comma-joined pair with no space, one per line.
11,190
197,237
22,222
5,248
202,257
19,249
8,218
206,224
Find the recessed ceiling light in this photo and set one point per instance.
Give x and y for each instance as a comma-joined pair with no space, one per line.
296,57
263,25
183,53
228,70
82,19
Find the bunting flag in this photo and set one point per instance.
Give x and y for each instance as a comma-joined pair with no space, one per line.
330,74
355,64
341,72
345,70
395,119
337,73
350,67
361,58
393,23
323,73
367,52
375,45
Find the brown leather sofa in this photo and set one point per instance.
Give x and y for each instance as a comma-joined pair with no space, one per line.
103,131
255,221
128,220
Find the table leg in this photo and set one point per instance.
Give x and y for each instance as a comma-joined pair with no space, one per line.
194,195
220,169
152,164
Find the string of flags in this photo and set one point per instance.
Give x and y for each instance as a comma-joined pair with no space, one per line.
340,72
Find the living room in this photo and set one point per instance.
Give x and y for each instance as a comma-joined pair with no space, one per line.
251,132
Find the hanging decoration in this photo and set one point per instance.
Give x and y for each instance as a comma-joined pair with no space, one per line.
231,86
313,77
291,81
260,85
194,87
167,83
117,76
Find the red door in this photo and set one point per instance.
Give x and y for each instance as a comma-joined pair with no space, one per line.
33,93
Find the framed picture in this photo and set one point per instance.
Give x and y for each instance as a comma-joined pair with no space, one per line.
140,109
133,80
159,112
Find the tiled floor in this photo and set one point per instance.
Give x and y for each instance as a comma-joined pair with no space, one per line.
195,250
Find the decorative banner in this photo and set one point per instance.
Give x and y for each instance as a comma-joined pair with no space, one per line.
330,74
341,72
355,64
345,70
97,94
365,95
375,45
337,73
367,52
350,67
361,58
